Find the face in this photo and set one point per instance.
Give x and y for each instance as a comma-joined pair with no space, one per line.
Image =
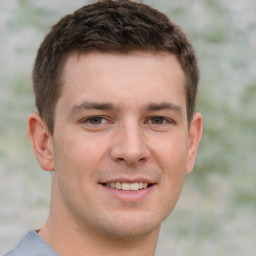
121,145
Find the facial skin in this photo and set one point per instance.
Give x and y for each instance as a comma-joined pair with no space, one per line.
120,118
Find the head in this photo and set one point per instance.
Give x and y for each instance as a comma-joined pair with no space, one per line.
115,86
109,26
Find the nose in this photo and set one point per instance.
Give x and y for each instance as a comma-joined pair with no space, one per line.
129,145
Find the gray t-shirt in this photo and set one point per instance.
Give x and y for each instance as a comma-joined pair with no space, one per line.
32,245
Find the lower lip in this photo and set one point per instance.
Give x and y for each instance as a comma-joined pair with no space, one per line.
129,196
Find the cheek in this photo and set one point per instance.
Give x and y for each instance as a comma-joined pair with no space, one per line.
172,159
77,160
172,154
74,168
79,149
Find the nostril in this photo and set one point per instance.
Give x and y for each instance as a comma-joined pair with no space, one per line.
142,159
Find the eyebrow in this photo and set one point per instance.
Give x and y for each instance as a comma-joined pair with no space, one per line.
86,105
163,106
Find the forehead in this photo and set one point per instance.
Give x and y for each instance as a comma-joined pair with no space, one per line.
134,78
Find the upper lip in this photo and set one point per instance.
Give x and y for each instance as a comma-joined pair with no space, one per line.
128,180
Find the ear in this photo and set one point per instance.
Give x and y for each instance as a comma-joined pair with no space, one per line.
41,140
194,137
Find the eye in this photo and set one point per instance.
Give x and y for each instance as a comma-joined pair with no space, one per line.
158,120
95,120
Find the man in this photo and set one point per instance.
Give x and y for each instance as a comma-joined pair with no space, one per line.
115,86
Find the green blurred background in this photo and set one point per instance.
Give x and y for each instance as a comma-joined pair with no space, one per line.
216,214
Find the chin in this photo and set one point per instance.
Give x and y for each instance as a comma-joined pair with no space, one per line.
130,226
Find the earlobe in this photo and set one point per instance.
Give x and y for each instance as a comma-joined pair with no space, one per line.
41,140
195,134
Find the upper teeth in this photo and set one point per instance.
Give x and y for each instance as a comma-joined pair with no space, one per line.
128,186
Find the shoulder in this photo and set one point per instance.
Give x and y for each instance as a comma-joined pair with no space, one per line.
32,245
11,253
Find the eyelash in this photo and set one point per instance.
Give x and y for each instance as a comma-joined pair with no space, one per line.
163,120
89,119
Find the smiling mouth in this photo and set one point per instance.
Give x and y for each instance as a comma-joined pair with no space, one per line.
135,186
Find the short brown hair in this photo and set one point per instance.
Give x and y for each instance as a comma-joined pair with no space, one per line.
109,26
